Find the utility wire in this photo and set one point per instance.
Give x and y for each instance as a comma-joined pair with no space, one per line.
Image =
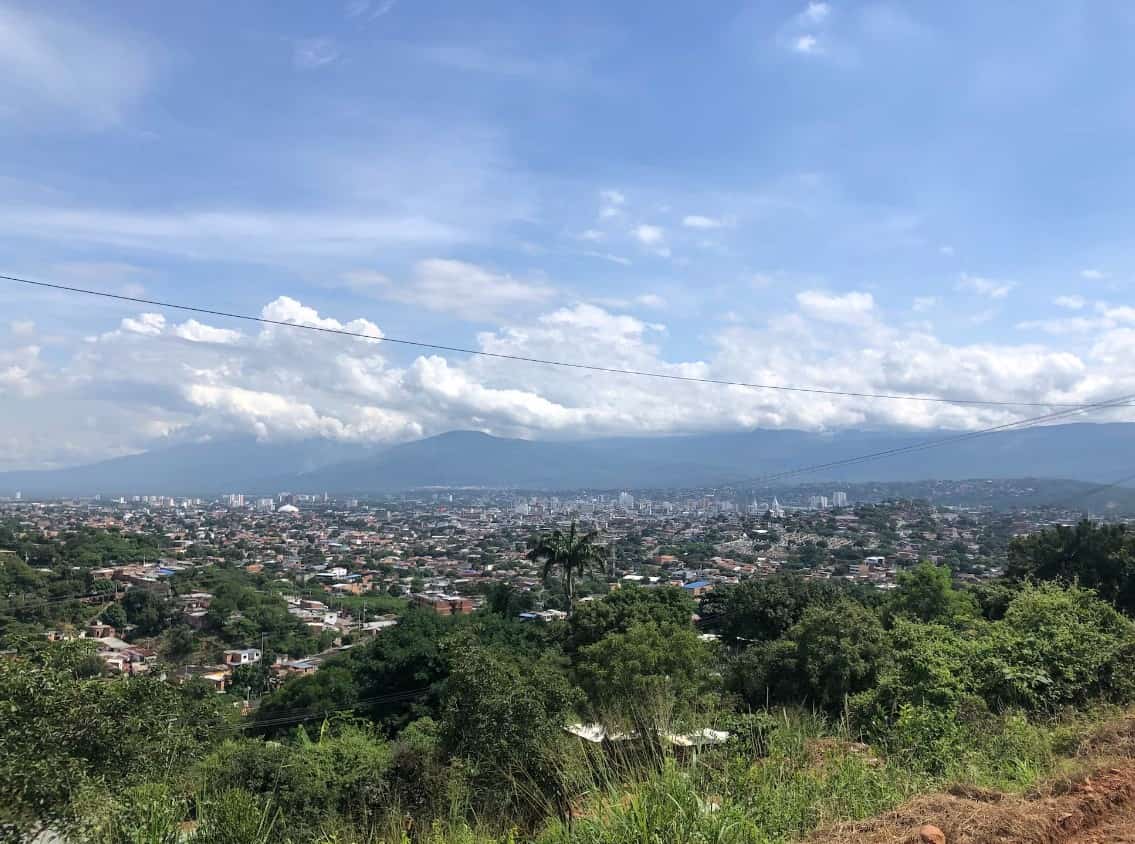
1019,424
640,373
1072,499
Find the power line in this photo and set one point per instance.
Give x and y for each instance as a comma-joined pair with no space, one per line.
296,716
1019,424
611,370
1072,499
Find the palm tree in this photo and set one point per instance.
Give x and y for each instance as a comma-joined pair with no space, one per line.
572,553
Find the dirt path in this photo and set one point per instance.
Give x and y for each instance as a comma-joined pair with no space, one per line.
1097,807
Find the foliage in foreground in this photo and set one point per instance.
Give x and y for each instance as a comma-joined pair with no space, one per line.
455,729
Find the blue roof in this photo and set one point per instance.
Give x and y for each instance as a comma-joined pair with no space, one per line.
697,584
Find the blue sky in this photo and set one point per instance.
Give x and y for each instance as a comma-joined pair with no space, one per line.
917,197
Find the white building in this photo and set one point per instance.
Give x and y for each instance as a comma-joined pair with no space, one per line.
242,656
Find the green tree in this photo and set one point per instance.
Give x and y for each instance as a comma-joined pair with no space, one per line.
625,607
115,616
133,730
1056,647
832,652
1099,557
650,676
572,554
760,610
146,611
506,719
926,593
177,643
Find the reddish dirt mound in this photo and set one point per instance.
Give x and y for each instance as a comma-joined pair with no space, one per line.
1090,810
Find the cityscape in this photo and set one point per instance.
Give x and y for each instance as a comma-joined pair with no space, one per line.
433,422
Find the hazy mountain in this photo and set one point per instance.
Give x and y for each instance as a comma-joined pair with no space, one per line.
234,465
1083,452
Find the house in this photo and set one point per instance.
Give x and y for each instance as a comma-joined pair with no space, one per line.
373,628
698,588
443,604
241,656
99,630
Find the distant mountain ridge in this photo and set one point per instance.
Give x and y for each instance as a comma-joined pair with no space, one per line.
1082,452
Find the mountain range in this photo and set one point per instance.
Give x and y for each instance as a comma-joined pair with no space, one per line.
1083,452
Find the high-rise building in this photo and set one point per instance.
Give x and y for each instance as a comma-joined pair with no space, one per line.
626,501
839,499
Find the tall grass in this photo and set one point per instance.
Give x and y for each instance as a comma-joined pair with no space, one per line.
781,776
805,773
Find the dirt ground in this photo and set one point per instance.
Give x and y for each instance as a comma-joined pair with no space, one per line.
1095,807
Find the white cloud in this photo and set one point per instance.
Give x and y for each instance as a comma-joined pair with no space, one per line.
258,235
280,383
1064,325
807,44
150,324
1093,275
593,235
197,332
611,204
53,66
851,308
987,287
372,11
651,300
697,221
22,327
817,12
312,53
609,256
924,303
1072,303
460,288
652,238
946,250
649,235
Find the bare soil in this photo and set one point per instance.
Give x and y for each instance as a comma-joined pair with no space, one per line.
1094,807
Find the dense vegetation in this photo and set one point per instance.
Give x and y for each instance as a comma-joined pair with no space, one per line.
839,702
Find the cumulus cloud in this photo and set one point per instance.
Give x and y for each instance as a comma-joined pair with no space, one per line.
1092,274
162,377
197,332
922,304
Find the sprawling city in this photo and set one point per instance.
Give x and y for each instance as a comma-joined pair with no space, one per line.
434,422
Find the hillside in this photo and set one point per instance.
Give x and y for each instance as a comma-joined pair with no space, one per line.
1081,452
